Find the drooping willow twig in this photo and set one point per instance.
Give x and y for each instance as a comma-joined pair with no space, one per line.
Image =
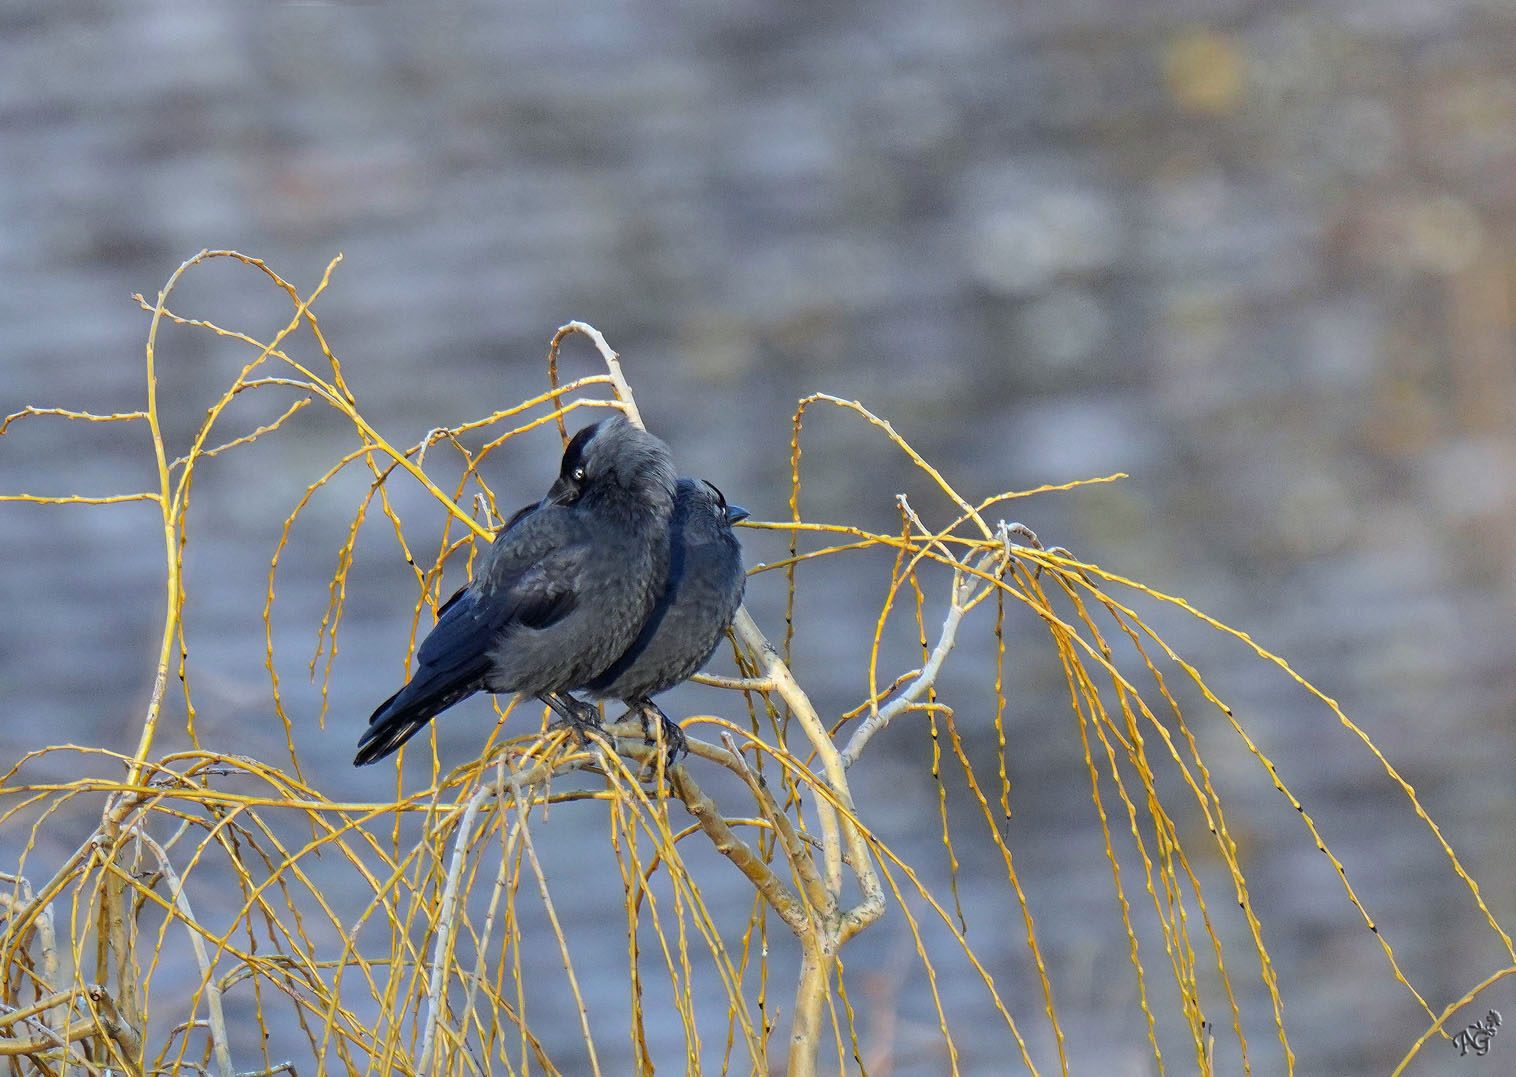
385,980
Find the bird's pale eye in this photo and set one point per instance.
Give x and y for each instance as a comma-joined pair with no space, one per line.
579,474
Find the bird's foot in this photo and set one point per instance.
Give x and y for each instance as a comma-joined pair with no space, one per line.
674,741
579,716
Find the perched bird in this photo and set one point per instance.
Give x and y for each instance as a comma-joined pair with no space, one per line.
704,589
564,588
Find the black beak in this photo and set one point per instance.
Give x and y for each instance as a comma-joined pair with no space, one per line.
560,493
736,514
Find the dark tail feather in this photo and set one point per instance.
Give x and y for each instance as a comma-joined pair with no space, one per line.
403,715
381,740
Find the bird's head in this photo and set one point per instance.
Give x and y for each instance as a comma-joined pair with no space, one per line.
615,455
731,513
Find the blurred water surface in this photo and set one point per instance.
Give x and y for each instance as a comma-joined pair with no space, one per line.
1258,257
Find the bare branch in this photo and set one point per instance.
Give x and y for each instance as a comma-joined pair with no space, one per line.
612,364
775,890
447,918
795,850
963,596
220,1050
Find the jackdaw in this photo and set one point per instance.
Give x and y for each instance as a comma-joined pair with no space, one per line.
704,589
563,590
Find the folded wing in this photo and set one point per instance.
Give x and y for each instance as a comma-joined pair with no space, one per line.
527,584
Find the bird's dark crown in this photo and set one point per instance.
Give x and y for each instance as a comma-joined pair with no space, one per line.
714,493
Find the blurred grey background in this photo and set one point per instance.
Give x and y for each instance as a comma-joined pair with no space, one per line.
1257,256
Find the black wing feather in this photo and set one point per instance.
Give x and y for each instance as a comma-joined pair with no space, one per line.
465,629
527,584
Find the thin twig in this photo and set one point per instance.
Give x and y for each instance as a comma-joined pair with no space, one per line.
736,684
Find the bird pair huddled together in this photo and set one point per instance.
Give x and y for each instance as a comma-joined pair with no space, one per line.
618,584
